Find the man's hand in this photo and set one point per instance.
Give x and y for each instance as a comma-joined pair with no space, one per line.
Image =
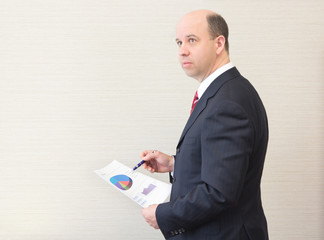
156,161
149,215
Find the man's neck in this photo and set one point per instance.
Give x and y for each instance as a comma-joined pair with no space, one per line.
222,60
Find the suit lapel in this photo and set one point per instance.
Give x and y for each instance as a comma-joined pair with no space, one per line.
210,92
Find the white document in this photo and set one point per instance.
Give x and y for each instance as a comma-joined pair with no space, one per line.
142,189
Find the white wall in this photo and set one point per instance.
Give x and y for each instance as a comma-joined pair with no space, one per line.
85,82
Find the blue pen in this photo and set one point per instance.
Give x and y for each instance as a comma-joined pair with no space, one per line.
138,165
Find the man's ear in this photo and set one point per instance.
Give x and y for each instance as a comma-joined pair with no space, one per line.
220,44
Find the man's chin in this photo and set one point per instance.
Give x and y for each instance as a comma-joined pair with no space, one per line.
191,74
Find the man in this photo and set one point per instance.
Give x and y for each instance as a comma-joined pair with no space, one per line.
217,169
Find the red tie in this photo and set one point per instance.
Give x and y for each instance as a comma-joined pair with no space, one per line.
194,102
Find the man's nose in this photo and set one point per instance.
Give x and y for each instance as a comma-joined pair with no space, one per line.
183,50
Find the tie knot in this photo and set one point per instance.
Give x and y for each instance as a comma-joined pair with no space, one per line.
196,96
194,102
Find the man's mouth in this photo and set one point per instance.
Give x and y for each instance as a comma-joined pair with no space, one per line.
186,64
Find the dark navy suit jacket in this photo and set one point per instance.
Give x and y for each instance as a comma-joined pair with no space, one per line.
218,167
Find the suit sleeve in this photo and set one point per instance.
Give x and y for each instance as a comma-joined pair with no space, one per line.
226,142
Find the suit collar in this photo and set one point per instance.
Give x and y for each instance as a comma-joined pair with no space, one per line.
210,91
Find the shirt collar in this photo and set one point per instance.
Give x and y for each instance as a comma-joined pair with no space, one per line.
205,83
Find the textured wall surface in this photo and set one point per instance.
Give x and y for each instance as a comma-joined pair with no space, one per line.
85,82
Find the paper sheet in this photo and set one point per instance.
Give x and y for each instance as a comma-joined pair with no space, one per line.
142,189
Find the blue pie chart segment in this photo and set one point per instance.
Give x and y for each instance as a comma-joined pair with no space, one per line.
123,182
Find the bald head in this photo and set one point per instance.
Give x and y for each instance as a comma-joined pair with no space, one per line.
198,14
215,23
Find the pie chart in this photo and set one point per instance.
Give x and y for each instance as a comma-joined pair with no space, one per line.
123,182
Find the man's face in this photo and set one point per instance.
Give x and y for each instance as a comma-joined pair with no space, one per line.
197,51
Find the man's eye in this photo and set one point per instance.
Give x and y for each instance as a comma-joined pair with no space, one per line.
179,43
192,40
